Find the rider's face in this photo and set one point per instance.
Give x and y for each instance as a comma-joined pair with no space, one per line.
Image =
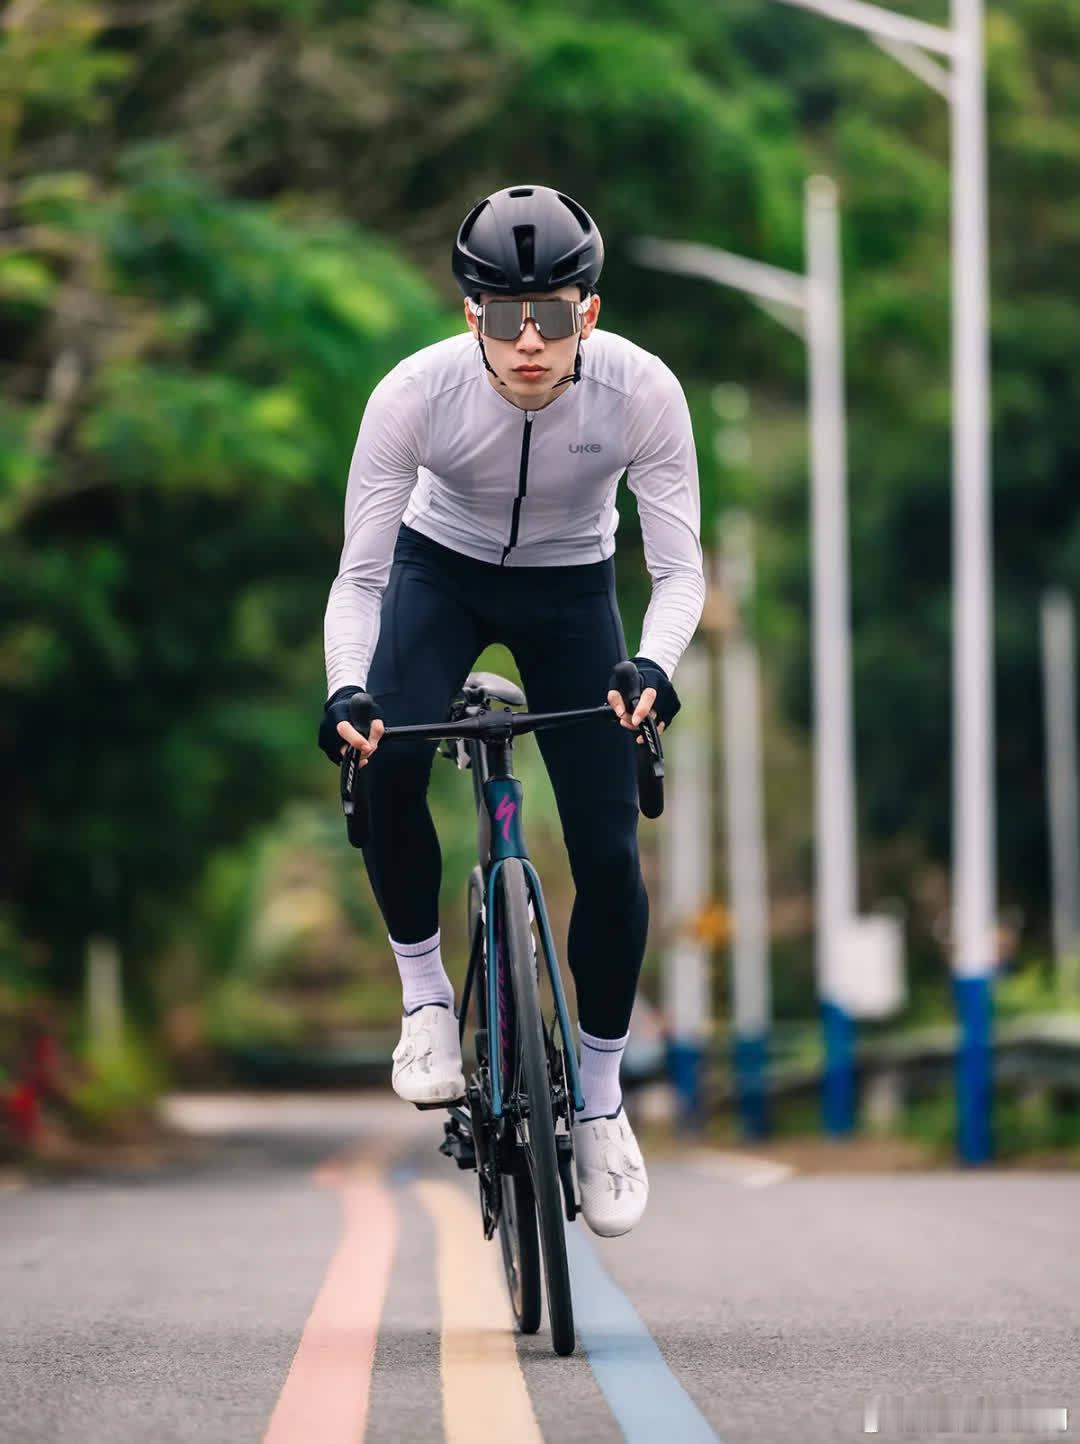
527,370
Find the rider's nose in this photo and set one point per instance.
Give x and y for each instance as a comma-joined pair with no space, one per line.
530,341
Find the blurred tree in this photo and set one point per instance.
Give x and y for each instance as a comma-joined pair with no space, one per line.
220,224
186,373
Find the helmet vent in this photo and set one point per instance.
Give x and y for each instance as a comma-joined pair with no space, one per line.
525,241
521,191
579,214
569,264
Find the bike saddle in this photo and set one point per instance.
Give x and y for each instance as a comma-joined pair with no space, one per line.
493,688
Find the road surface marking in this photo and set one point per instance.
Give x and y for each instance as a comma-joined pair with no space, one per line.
326,1393
647,1400
737,1168
484,1392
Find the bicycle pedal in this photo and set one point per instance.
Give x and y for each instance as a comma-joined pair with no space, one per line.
459,1146
445,1103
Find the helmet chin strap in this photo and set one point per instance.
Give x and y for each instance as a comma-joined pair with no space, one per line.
483,353
574,376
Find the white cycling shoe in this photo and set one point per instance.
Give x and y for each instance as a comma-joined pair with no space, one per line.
611,1174
427,1061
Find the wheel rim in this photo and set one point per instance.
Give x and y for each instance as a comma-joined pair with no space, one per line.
511,1244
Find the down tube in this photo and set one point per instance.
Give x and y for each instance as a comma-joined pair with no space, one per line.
494,1035
552,961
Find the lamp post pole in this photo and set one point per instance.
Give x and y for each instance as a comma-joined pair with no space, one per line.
974,889
834,790
687,875
740,707
1062,804
914,43
811,305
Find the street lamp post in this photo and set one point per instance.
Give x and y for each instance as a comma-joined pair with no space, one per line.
740,707
974,888
1062,801
686,879
811,305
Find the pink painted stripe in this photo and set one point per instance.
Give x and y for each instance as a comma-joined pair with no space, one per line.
326,1393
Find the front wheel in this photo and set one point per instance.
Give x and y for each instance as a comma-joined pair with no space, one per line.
531,1083
517,1205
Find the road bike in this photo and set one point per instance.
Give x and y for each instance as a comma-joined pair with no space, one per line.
515,1124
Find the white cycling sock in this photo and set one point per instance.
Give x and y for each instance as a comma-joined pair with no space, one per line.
600,1060
423,977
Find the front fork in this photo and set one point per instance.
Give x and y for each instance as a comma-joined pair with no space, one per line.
572,1082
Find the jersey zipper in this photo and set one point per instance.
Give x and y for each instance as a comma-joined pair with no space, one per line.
523,478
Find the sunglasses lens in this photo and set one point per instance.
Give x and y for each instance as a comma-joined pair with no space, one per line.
501,320
555,320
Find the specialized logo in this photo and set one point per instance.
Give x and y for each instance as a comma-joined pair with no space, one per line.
504,813
585,446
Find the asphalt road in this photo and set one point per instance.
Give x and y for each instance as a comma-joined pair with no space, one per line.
319,1274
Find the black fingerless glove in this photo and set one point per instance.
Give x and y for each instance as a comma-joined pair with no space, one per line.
653,675
336,710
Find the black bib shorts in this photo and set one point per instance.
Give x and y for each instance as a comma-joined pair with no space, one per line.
562,624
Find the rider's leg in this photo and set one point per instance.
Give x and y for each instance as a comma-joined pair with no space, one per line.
566,660
428,639
566,652
605,948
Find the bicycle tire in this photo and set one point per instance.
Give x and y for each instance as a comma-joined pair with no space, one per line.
518,1240
538,1133
520,1246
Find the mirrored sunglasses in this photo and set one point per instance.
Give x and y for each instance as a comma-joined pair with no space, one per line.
505,320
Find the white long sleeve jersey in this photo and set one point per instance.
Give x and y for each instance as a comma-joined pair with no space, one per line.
442,450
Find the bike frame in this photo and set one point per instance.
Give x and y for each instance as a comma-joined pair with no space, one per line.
498,797
486,739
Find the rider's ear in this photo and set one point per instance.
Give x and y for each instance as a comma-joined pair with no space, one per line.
589,319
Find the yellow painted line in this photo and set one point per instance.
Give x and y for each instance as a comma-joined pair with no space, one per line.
326,1394
484,1392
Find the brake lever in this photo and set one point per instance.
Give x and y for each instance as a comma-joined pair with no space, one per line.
354,792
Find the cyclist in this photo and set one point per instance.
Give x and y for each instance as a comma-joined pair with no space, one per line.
481,507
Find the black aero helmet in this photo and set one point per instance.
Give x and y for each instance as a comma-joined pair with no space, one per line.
527,238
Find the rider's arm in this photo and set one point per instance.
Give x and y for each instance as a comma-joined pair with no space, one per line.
381,478
663,475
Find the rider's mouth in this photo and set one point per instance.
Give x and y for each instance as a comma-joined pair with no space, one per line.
529,371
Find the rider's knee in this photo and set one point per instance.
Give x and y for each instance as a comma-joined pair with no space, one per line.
608,861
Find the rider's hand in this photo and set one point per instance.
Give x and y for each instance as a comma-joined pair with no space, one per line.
337,734
643,709
658,697
364,745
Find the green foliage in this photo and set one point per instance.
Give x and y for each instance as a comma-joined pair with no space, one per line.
1023,1123
119,1081
170,508
220,225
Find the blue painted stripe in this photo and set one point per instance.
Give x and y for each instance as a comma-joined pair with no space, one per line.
686,1062
750,1057
838,1093
647,1400
974,1068
403,1173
